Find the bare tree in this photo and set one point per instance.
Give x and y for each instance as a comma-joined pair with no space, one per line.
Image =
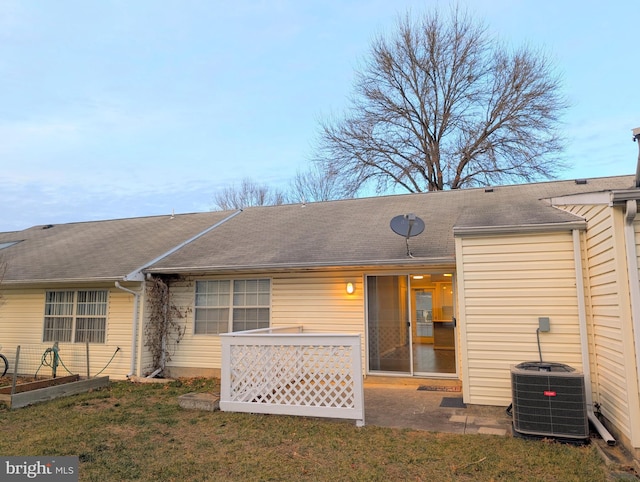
317,183
442,104
249,193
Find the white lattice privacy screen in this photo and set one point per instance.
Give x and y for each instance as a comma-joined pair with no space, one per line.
317,375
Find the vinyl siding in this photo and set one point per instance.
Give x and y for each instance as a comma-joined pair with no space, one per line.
193,351
318,301
21,323
609,315
636,229
504,284
145,366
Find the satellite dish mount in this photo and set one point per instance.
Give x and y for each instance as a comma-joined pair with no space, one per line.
407,226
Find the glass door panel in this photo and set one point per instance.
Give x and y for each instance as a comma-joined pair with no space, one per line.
432,293
388,329
423,317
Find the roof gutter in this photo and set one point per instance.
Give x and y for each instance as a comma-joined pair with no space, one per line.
66,281
138,275
624,195
307,266
518,228
134,329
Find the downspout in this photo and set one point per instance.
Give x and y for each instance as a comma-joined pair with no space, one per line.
134,329
584,341
634,282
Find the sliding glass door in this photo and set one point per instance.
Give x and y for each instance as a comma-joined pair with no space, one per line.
410,324
388,329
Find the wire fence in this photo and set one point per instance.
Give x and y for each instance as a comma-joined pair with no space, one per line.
42,372
42,361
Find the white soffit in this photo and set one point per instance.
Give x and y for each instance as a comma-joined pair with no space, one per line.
603,197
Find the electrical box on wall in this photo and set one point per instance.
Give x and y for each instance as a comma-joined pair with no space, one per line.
544,324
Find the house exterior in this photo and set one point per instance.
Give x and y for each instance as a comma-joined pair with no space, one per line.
462,300
46,268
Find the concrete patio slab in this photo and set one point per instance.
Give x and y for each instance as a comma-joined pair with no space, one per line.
404,406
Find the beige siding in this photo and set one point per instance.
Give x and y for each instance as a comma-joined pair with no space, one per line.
636,228
21,323
504,284
608,315
193,351
144,364
318,301
119,327
21,318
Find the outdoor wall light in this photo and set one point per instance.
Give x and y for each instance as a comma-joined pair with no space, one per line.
350,288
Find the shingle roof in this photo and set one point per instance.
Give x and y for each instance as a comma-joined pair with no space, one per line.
352,232
356,232
101,250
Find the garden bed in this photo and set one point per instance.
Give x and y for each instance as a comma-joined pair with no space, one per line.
49,389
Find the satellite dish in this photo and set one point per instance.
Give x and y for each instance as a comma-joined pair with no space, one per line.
407,226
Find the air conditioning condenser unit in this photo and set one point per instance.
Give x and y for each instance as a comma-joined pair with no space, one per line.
548,400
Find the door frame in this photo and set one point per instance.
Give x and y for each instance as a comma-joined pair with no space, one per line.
408,274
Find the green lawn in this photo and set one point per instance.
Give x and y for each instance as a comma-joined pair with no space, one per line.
139,432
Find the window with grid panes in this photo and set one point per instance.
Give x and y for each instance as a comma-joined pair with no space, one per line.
75,316
232,305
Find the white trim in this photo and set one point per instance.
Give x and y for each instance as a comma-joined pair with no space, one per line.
134,327
74,314
405,264
634,282
461,325
602,197
625,195
412,372
231,306
518,228
584,340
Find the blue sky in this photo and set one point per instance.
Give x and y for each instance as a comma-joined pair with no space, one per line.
115,109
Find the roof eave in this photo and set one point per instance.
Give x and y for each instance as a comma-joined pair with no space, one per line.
518,229
409,261
60,281
624,195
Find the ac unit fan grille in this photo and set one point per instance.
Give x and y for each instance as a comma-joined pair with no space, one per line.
550,404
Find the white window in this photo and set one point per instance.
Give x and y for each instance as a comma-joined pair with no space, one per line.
75,316
232,305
